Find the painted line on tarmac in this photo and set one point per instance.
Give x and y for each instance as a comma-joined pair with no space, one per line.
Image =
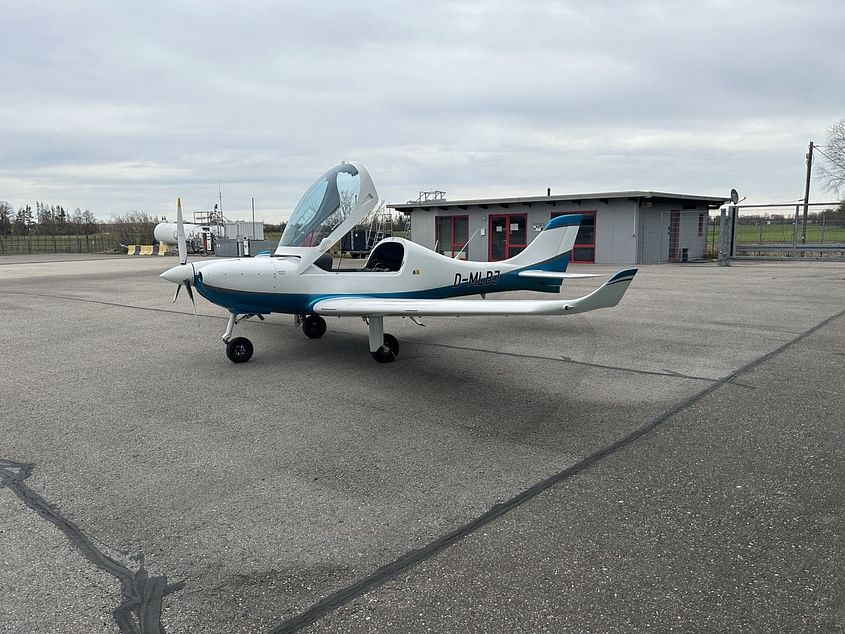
410,559
87,300
599,366
140,611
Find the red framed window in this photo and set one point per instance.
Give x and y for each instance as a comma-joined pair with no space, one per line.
451,234
584,251
508,235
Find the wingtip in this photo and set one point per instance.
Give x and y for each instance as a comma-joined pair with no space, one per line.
623,276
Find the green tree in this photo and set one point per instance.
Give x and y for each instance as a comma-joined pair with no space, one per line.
23,220
7,218
61,218
44,217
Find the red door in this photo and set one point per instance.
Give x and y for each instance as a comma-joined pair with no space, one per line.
508,235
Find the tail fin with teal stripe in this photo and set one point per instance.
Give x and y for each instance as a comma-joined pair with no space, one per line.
552,249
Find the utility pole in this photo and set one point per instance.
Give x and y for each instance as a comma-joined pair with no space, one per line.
807,193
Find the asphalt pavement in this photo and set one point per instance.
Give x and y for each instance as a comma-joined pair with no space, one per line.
674,463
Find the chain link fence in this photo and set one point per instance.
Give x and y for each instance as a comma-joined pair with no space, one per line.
778,231
88,243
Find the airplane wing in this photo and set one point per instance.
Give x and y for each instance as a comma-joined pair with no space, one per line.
605,296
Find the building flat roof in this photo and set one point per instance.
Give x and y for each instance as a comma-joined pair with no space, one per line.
711,201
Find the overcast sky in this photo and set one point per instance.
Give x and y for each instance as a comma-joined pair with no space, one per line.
113,106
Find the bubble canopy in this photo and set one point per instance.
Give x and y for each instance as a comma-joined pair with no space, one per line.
343,195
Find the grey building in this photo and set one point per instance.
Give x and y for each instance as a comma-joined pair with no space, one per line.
636,227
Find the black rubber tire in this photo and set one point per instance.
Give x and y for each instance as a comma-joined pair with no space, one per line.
389,351
314,326
239,350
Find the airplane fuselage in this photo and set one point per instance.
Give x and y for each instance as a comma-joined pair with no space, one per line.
265,285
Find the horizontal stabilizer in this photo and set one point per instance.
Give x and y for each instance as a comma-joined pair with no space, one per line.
605,296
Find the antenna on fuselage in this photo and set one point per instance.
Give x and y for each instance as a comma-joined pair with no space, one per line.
466,244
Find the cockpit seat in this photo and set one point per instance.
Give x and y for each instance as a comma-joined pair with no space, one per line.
387,256
324,262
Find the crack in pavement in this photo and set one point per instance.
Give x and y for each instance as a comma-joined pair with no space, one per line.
140,611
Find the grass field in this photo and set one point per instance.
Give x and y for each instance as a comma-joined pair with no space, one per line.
764,234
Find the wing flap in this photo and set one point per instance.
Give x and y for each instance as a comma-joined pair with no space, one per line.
555,275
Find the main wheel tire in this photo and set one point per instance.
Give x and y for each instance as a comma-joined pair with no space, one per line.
314,326
239,350
389,351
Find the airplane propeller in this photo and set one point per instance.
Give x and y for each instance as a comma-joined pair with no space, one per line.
183,260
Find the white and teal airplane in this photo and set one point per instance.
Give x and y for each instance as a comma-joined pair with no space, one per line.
400,278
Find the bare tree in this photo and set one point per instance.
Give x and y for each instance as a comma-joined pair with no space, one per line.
136,227
832,165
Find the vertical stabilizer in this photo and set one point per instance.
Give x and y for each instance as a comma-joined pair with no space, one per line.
552,249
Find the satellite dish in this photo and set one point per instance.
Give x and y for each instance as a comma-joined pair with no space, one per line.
734,196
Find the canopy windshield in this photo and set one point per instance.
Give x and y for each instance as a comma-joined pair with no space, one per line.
326,204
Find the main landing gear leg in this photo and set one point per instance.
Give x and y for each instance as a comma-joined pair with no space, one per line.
239,349
383,346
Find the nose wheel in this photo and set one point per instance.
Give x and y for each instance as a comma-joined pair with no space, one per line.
239,350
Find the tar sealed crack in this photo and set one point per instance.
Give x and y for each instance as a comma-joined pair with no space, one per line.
140,611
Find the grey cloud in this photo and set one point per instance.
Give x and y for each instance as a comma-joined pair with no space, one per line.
111,104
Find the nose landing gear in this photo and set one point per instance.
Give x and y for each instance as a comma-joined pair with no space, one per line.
239,349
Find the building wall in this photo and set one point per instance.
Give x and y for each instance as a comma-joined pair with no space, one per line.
616,232
477,249
422,228
654,234
625,233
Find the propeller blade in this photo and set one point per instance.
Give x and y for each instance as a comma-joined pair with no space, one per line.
180,233
193,303
176,296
